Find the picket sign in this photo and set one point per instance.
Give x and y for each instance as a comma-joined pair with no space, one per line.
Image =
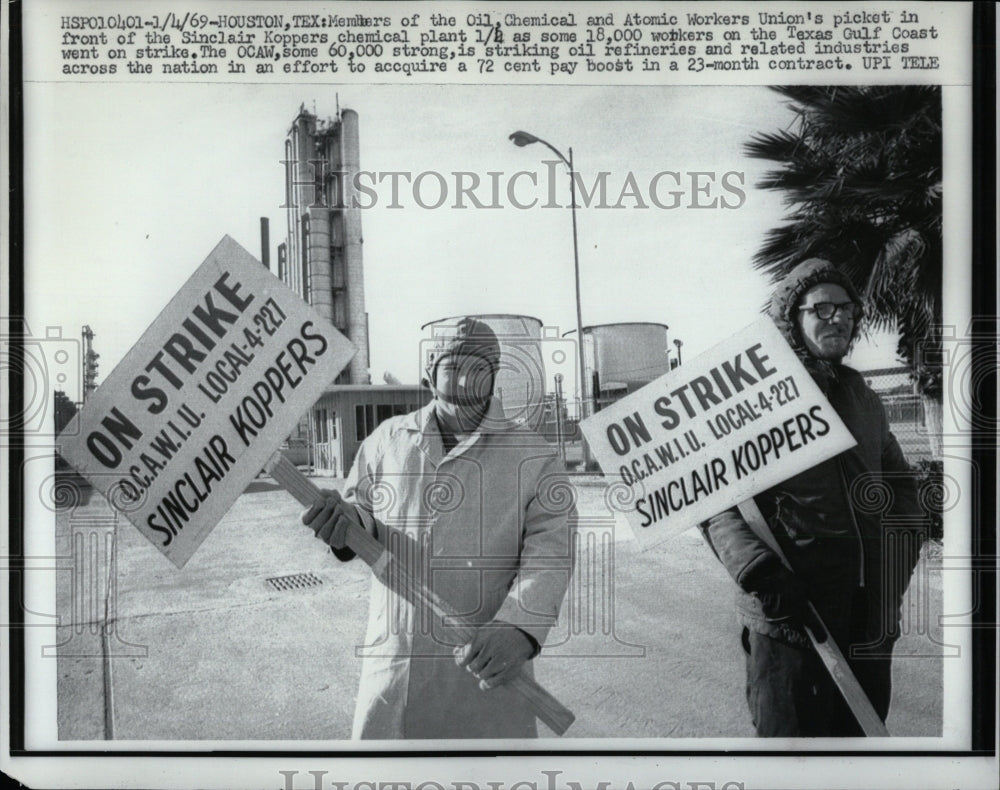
201,402
713,433
721,428
394,575
826,648
188,418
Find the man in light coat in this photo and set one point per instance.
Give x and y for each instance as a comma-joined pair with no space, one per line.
478,509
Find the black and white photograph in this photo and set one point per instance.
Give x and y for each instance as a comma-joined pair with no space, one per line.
498,395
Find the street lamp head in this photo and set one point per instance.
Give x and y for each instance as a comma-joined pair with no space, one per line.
522,139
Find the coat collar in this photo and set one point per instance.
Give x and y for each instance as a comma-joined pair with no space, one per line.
424,423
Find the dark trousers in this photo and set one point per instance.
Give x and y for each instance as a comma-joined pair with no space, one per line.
790,692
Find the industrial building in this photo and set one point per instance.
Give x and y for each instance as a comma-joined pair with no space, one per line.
321,259
346,414
622,358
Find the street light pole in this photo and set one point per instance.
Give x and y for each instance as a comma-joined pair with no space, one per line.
576,279
559,420
522,139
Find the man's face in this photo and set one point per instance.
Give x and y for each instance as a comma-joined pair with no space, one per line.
826,338
463,384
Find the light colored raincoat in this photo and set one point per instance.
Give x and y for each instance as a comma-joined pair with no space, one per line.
488,525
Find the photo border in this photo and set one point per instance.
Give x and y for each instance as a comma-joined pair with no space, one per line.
983,292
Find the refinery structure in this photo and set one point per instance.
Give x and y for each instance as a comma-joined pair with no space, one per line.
321,259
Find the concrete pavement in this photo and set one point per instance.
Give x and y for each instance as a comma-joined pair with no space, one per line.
647,646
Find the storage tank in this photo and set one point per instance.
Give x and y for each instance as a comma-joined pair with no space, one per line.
624,357
520,383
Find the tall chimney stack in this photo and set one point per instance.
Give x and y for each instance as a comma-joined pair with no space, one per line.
265,243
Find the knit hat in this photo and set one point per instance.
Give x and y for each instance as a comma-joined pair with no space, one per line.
468,337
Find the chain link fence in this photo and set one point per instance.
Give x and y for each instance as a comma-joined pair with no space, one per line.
905,410
908,422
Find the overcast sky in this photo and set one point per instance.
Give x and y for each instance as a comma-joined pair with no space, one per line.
129,187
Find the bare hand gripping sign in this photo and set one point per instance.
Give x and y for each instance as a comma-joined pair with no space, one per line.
731,423
192,413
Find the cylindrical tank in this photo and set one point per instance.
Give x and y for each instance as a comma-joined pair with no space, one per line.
625,356
318,251
520,383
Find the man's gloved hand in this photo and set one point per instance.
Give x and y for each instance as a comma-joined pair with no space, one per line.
496,653
783,595
330,517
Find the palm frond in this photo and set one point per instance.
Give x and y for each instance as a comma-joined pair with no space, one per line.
860,174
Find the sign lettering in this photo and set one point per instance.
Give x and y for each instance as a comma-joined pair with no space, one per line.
706,436
191,414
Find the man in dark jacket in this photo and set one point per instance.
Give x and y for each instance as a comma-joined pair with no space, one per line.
829,522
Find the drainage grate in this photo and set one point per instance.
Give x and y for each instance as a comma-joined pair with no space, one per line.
296,581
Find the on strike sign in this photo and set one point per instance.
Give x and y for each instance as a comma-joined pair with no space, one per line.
192,413
725,426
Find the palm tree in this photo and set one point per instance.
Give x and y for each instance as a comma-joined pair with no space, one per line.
861,171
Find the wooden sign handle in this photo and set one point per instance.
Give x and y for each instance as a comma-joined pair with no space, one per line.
546,707
828,651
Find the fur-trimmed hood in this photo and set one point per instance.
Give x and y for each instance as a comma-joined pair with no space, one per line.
783,308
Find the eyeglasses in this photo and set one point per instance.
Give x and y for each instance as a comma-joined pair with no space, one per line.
827,310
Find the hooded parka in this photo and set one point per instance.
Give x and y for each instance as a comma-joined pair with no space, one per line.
846,525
